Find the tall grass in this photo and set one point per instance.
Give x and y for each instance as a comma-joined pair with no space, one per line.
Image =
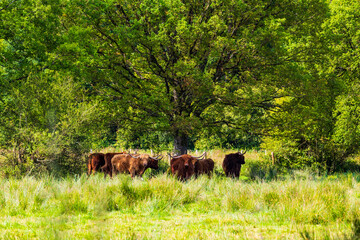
263,204
299,202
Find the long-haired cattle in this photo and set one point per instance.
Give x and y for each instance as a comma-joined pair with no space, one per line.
232,164
183,166
135,165
203,166
107,168
95,162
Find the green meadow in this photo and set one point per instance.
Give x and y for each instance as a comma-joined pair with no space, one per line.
78,77
295,205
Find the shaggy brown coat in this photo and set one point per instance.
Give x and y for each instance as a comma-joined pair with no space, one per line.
232,164
107,168
204,166
183,166
125,163
95,162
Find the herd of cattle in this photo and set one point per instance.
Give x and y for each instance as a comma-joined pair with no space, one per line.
183,166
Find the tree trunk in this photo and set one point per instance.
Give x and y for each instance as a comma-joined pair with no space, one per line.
181,142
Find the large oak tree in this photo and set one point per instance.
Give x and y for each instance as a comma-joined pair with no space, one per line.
181,66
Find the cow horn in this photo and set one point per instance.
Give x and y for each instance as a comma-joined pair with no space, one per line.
157,158
133,156
201,156
242,153
173,156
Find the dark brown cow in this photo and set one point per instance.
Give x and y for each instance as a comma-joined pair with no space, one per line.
95,162
107,168
183,166
232,164
203,166
153,163
135,165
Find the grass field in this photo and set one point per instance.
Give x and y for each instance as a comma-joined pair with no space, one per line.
301,205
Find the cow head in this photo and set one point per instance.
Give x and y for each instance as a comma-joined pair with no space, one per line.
191,160
182,166
242,157
154,162
147,161
188,160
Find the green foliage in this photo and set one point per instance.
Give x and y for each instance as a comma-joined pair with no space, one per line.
316,126
226,138
187,66
52,127
158,75
46,119
143,139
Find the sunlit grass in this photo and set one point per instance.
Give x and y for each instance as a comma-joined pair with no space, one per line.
261,205
162,207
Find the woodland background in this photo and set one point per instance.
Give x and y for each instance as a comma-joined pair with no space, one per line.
178,75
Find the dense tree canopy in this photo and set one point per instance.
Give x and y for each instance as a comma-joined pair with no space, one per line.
77,75
189,65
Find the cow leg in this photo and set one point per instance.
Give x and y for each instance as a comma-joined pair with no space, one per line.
113,170
237,174
141,172
95,168
110,173
104,169
132,172
92,169
173,170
